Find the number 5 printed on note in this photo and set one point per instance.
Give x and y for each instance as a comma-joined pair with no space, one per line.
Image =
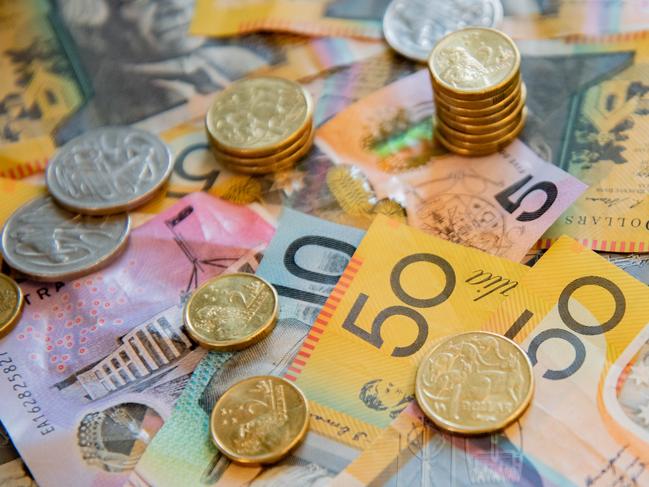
582,321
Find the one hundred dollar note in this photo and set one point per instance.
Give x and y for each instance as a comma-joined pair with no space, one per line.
500,204
95,365
402,290
588,115
69,66
312,17
583,323
303,261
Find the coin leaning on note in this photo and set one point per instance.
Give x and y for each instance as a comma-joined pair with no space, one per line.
259,420
412,27
231,312
11,304
261,125
474,383
108,170
48,243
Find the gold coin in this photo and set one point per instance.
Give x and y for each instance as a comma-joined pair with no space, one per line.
274,158
453,134
11,304
474,383
480,114
473,62
259,420
506,119
231,312
506,94
286,164
477,150
257,117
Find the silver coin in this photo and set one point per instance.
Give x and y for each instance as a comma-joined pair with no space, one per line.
412,27
48,243
108,170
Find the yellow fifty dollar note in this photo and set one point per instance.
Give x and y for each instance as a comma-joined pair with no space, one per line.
582,321
402,290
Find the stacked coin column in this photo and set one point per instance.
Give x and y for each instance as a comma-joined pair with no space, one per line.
478,89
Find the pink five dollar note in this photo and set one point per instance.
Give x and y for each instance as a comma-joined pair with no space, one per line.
95,365
500,204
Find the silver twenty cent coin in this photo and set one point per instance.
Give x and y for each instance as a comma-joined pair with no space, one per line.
108,170
48,243
412,27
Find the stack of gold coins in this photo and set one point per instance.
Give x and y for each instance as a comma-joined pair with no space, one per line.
479,93
261,125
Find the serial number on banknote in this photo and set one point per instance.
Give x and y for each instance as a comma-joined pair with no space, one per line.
23,394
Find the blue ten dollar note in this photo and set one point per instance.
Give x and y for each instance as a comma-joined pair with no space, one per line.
303,261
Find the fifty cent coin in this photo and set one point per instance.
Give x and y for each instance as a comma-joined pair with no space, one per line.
231,312
48,243
412,27
108,170
474,383
259,420
11,304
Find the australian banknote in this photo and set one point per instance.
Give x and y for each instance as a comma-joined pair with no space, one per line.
66,64
320,17
500,204
526,19
583,323
588,116
304,261
95,365
380,318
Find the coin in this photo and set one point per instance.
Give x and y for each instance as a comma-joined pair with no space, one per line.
257,117
108,170
275,158
48,243
472,62
500,98
412,27
231,312
284,165
11,304
476,150
259,420
483,115
489,126
474,383
456,135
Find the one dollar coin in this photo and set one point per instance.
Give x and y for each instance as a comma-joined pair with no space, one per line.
11,304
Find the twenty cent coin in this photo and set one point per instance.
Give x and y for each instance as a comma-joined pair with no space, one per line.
259,116
231,312
108,170
259,420
11,304
474,383
412,27
48,243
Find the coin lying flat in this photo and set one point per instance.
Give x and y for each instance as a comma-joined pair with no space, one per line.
488,102
257,117
231,312
474,383
259,420
473,62
108,170
482,116
494,135
48,243
11,304
412,27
